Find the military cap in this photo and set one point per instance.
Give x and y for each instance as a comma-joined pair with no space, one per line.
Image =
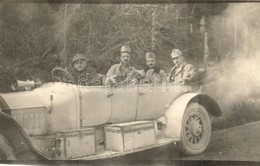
150,55
78,57
125,49
175,53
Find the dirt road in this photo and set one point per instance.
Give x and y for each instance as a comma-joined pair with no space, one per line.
241,143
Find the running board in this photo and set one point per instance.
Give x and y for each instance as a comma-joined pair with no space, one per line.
111,154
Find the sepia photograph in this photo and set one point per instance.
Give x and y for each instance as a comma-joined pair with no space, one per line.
109,82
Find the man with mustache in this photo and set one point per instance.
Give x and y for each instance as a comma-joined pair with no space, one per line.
182,72
153,74
123,72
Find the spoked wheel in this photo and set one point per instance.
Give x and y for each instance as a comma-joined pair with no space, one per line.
61,75
6,150
196,129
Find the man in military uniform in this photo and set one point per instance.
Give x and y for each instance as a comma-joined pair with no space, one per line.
83,74
152,73
182,72
123,72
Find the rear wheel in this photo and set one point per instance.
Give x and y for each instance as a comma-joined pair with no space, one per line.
196,129
6,150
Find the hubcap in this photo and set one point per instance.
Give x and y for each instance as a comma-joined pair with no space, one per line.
194,129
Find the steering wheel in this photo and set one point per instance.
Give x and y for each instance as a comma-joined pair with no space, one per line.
61,75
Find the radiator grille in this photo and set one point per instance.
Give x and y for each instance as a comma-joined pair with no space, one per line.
31,119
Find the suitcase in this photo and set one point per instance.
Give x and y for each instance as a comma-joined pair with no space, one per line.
130,136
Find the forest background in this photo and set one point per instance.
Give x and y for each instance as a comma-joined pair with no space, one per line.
35,37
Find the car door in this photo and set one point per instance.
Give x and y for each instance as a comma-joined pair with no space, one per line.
96,105
153,100
124,104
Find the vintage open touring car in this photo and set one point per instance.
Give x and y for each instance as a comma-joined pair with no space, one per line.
64,121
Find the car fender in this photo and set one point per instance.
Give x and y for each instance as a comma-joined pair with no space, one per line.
20,141
176,109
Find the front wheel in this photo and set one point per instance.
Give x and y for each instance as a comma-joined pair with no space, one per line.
6,150
196,130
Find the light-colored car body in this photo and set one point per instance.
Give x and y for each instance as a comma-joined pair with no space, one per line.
40,114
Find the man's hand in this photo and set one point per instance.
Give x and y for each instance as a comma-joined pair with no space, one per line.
96,82
119,78
146,81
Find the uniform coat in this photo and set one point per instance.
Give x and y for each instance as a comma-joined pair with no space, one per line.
183,73
120,72
154,75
